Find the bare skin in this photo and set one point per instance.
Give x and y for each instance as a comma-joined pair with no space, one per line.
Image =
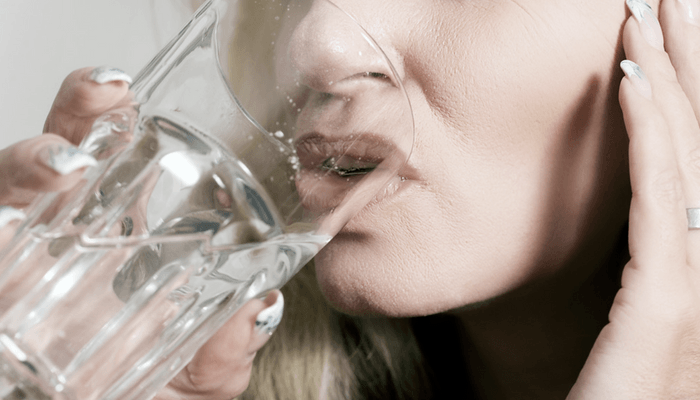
543,313
648,347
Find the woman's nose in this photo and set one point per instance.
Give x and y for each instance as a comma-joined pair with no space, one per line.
331,53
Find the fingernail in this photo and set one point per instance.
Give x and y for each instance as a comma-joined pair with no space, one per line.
9,214
637,77
648,24
691,10
103,75
269,319
65,159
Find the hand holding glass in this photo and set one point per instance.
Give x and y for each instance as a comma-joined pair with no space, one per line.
250,142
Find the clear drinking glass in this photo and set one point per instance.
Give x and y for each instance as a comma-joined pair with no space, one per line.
253,137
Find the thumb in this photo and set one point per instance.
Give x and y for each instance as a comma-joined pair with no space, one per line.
221,368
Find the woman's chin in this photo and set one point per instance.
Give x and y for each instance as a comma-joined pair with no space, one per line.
341,278
338,287
359,281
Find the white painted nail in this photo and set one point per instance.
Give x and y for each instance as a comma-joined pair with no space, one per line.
648,23
103,75
269,319
65,159
691,10
9,214
639,80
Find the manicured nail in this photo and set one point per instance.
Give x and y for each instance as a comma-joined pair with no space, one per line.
9,214
648,24
103,75
637,77
691,10
65,159
268,319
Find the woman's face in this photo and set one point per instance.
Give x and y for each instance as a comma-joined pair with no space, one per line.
519,165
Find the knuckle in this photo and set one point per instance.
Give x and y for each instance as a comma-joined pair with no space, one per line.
666,189
667,75
224,384
690,168
15,153
686,59
692,161
200,382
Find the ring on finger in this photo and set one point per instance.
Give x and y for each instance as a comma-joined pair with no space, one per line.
693,218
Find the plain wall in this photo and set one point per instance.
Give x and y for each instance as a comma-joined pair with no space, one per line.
41,41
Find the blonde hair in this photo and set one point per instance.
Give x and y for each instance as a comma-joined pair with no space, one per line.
318,353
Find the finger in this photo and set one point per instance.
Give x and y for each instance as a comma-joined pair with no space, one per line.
670,100
221,368
680,20
657,214
84,95
46,163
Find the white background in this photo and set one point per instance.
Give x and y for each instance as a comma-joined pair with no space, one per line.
41,41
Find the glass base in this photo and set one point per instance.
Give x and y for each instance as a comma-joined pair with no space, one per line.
13,385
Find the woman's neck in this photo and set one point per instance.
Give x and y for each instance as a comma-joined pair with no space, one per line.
531,344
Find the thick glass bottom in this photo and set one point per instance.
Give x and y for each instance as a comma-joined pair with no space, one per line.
15,386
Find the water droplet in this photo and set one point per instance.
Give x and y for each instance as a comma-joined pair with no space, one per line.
294,160
279,134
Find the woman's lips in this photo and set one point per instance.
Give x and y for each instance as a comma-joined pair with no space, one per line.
315,149
366,158
352,144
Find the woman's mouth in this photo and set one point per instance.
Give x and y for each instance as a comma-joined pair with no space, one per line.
348,166
332,168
